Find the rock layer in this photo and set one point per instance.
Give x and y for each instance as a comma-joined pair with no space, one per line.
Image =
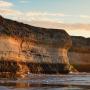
79,53
35,49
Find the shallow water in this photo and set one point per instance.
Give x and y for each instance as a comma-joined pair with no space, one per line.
76,81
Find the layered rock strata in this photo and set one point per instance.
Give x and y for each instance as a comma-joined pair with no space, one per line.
25,48
79,54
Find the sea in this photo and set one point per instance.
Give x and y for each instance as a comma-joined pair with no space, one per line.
72,81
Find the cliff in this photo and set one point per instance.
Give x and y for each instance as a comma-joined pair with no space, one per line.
79,53
25,48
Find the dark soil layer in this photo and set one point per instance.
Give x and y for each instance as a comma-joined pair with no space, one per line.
14,67
82,68
48,68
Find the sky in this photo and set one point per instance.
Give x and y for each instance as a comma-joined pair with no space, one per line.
71,15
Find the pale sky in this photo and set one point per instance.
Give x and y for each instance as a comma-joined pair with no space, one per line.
72,15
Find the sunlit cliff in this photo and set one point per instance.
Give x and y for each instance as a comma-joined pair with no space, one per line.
25,48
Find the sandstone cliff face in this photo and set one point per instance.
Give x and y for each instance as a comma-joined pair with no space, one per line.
79,53
42,50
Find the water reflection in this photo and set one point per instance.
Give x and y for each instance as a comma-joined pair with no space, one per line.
19,86
47,82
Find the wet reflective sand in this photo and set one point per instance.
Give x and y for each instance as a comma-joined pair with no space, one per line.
78,81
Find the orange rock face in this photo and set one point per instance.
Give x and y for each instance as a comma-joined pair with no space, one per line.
34,46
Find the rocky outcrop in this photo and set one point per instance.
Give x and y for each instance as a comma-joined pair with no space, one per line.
79,53
25,48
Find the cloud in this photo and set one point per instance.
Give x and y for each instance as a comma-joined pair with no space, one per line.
23,1
33,16
41,19
45,14
85,16
5,4
41,16
10,12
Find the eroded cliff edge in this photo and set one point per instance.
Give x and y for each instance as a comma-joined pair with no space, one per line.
32,49
79,53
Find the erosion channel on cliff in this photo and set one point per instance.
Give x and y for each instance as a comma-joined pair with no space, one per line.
25,48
